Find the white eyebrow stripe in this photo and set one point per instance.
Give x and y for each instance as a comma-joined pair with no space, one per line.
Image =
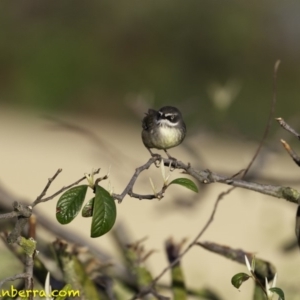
171,115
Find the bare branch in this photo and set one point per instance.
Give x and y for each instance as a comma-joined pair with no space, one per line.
39,200
287,127
18,210
291,152
270,118
296,159
12,278
50,180
128,189
208,177
10,215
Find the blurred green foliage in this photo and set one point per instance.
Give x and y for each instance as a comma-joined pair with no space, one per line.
90,56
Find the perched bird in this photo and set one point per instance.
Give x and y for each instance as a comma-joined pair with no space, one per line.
163,129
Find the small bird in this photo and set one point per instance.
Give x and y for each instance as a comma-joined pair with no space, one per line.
163,129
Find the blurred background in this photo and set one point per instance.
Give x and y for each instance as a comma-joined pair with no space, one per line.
100,65
213,59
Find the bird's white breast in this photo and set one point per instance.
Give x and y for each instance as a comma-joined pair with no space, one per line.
168,137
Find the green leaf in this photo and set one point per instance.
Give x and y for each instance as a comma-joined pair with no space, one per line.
278,291
238,279
178,283
70,203
253,263
64,292
104,212
189,184
87,210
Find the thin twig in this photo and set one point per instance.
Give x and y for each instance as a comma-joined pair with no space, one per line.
40,200
270,118
50,180
158,296
286,146
291,152
128,189
12,278
287,127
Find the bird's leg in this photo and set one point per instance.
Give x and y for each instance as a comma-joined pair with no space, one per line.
172,158
151,153
169,156
157,156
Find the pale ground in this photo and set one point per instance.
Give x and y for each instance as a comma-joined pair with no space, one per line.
31,153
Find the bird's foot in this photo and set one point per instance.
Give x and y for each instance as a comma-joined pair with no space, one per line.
157,161
173,163
157,158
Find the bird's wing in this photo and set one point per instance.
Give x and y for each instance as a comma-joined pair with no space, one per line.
148,120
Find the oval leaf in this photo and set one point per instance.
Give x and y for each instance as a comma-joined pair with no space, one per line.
104,212
87,210
238,279
278,291
70,203
189,184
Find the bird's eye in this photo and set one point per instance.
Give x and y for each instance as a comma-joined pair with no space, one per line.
170,117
